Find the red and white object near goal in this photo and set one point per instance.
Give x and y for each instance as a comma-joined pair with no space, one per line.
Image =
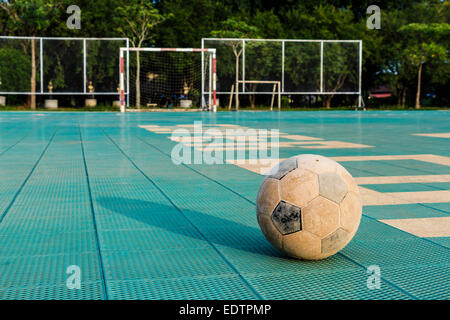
212,70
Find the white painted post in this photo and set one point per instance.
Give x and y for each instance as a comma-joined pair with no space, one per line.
84,65
321,66
41,61
203,76
360,75
128,73
282,64
214,76
210,102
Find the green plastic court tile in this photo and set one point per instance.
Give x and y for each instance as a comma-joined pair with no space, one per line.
27,271
152,239
234,235
424,282
383,168
359,172
420,166
265,259
346,284
403,211
88,291
110,220
164,264
194,288
44,224
373,230
443,241
408,187
51,243
445,207
151,250
397,252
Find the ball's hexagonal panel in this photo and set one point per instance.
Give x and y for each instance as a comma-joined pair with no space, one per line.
348,179
320,216
316,163
299,187
332,186
283,168
268,196
287,218
335,241
302,245
351,211
270,232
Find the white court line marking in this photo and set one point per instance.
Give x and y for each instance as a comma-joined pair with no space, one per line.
433,135
403,179
422,227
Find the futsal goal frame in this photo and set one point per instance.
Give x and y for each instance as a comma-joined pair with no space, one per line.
124,87
283,42
276,91
41,62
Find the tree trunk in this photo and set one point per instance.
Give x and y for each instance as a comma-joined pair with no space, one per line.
138,80
399,96
419,79
252,97
403,97
33,76
327,101
252,101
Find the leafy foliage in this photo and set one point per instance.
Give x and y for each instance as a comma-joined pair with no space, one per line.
413,33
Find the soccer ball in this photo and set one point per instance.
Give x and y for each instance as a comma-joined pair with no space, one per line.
309,207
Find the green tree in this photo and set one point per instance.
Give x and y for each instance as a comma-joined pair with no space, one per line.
13,75
30,17
235,28
424,47
340,61
138,19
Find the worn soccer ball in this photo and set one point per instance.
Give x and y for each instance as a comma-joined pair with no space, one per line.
309,207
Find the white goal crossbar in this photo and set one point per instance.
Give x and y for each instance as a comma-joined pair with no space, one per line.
283,43
276,90
212,86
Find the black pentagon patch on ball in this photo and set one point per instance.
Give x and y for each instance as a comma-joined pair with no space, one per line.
287,218
284,168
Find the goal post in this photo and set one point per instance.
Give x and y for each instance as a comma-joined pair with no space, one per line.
167,77
304,67
68,64
276,90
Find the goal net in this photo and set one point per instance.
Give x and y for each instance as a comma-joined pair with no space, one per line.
168,78
30,65
303,67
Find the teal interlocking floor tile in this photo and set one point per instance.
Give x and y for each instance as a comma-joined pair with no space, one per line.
164,264
88,291
46,270
424,282
152,238
47,243
370,229
194,288
265,259
344,284
164,231
444,207
443,241
404,211
408,187
397,252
